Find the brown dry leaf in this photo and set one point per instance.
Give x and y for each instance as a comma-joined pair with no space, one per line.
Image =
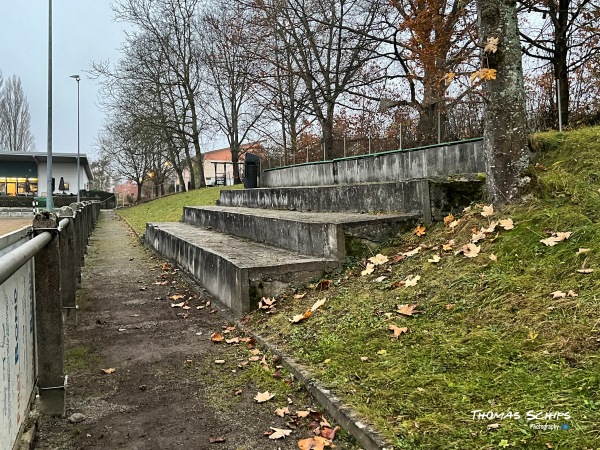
314,443
572,293
266,303
378,259
558,294
563,236
299,296
493,257
318,304
583,250
379,279
262,397
179,305
420,230
109,371
302,414
254,358
471,250
216,337
323,285
406,310
282,411
219,361
412,281
491,228
585,270
549,445
397,331
447,79
176,297
329,433
299,317
448,219
413,252
488,211
507,224
364,358
550,242
279,433
556,238
477,237
235,340
434,259
448,246
449,306
493,426
166,266
491,46
452,225
216,439
369,270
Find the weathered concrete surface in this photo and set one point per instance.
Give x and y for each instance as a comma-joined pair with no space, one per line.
236,271
309,233
8,225
6,212
408,196
464,157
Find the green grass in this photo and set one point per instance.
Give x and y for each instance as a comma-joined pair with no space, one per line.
505,344
170,209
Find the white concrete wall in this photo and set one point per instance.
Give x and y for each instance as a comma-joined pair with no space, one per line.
17,368
66,170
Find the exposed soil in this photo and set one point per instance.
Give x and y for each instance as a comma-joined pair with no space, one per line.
166,391
10,224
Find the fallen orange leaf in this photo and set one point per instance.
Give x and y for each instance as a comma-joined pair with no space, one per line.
397,331
216,337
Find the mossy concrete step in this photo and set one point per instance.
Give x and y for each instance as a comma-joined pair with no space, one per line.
310,233
238,272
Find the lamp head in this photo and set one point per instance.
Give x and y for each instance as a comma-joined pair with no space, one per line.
76,77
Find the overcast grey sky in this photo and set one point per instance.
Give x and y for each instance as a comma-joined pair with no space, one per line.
83,31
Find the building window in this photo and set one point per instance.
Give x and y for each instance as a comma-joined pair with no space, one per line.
13,186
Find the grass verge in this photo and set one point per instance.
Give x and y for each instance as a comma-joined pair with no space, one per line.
170,209
497,356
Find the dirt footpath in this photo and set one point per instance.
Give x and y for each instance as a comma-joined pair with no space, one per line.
10,224
169,385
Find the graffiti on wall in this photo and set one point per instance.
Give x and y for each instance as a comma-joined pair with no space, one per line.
17,367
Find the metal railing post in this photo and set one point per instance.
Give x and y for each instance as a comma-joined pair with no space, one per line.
49,324
78,239
68,281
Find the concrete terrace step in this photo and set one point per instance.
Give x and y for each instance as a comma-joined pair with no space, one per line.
403,196
236,271
317,234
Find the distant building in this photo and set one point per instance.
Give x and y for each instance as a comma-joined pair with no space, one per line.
25,173
218,168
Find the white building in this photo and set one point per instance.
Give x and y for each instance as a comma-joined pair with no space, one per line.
25,173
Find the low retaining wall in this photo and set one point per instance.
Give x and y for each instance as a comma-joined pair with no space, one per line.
16,212
463,157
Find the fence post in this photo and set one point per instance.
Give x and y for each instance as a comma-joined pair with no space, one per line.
78,240
68,285
48,318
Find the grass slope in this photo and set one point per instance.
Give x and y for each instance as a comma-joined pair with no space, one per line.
170,209
489,336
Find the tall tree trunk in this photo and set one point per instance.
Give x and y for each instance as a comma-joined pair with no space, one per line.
504,136
139,191
560,61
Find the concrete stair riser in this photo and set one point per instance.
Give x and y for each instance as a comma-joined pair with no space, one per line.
235,271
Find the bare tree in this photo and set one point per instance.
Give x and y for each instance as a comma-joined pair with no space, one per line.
15,120
505,137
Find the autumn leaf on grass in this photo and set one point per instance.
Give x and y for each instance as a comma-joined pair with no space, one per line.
279,433
477,237
216,337
314,443
109,371
262,397
329,433
452,225
491,228
583,250
299,317
378,259
448,246
471,250
266,303
397,331
572,294
412,280
488,211
558,294
434,259
448,219
507,224
419,230
556,238
282,411
369,270
413,252
491,46
318,304
585,270
323,285
493,257
235,340
406,310
299,296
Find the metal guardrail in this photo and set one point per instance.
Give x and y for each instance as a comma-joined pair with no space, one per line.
47,268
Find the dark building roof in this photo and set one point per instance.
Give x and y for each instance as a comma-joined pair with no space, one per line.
38,157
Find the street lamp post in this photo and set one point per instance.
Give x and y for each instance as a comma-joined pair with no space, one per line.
78,135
